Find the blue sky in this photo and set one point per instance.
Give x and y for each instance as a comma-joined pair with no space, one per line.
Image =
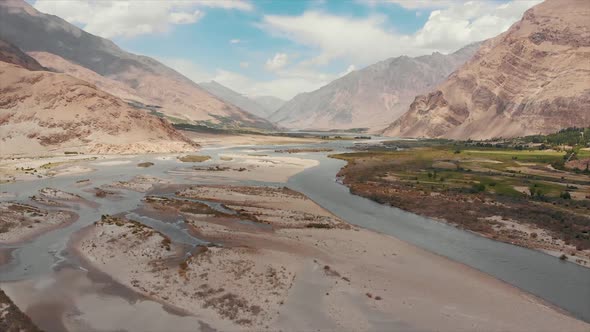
285,47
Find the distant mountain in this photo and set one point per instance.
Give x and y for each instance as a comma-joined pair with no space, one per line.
230,96
142,77
45,112
534,78
272,104
371,97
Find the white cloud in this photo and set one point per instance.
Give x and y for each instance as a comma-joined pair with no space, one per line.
367,40
235,41
129,18
348,70
420,4
227,4
244,64
279,61
286,85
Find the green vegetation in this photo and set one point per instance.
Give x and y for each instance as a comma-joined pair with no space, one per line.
467,182
193,158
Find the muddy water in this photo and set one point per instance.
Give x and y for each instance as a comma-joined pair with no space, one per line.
35,272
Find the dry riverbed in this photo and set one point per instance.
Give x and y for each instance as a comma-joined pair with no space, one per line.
278,261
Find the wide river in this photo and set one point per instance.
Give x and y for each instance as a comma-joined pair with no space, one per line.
561,283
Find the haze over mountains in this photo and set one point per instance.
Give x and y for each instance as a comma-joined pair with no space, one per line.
371,97
260,106
42,111
64,47
534,78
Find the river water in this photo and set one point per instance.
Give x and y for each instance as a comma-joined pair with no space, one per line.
563,284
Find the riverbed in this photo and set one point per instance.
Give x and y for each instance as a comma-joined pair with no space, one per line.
43,274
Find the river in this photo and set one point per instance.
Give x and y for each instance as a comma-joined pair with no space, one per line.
563,284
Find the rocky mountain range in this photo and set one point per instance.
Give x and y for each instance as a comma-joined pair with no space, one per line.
64,47
534,78
49,112
230,96
371,97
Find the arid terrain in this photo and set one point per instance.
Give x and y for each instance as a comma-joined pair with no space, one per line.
32,96
269,250
125,75
241,165
531,79
371,97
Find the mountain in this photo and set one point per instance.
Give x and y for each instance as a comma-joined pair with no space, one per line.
270,103
371,97
11,54
534,78
143,77
230,96
49,112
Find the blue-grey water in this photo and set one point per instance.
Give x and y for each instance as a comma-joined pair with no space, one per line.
563,284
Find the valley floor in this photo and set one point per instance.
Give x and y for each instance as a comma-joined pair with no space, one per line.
219,243
508,195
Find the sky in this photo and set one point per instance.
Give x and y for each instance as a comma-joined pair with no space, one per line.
284,47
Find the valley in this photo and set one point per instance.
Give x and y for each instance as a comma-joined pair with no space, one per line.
328,165
182,228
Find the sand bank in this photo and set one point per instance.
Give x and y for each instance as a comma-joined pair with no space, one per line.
287,264
20,222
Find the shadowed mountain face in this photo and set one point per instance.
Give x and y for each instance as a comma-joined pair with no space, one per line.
534,78
154,83
228,95
371,97
11,54
48,112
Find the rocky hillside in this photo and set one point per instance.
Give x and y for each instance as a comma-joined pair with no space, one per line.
11,54
371,97
228,95
49,112
33,31
534,78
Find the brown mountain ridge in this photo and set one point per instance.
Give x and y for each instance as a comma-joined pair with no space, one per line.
138,76
43,112
534,78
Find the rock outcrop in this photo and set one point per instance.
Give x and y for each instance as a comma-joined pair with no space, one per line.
533,78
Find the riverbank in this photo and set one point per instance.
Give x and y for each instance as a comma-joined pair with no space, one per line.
506,195
21,222
278,257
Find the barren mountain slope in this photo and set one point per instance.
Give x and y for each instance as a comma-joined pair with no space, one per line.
11,54
534,78
32,31
58,64
43,112
371,97
226,94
